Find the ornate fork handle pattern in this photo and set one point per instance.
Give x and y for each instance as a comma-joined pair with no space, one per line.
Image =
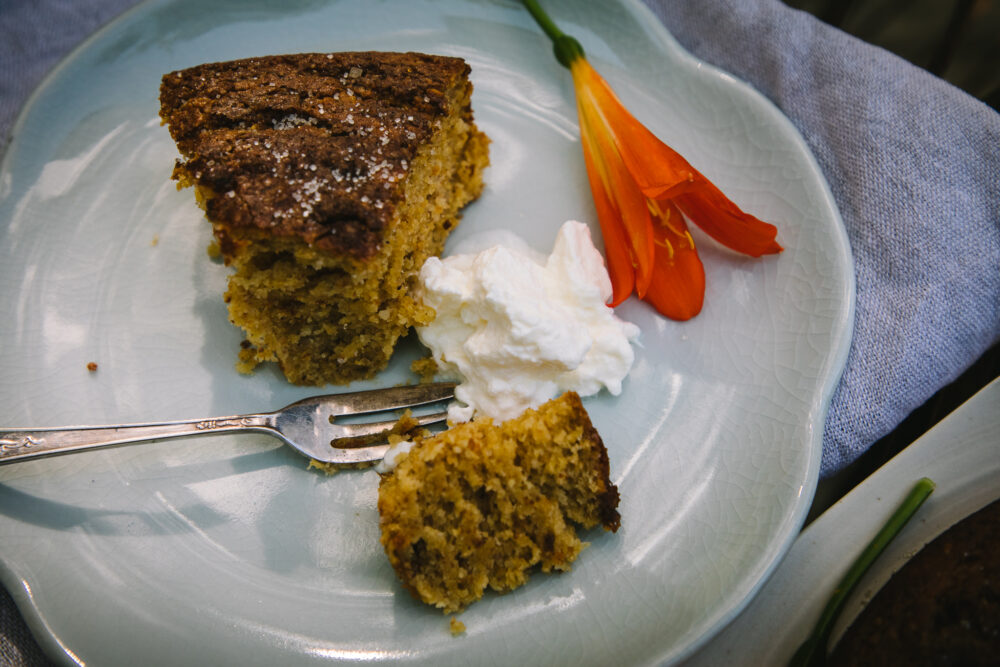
18,444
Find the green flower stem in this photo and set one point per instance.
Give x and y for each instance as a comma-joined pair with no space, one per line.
566,48
544,22
812,652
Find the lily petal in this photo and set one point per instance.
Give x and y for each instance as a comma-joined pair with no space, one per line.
677,289
662,173
721,219
618,186
658,170
616,244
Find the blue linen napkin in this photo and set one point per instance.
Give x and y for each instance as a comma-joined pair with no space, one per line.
914,165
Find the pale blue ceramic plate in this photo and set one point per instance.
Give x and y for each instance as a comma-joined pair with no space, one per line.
228,550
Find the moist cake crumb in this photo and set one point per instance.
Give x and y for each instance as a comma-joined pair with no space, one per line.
481,505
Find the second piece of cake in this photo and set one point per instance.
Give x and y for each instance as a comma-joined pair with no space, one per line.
480,504
328,179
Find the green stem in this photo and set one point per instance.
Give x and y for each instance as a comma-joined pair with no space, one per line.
566,48
812,652
547,25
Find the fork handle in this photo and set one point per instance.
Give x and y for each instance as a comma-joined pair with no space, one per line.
23,444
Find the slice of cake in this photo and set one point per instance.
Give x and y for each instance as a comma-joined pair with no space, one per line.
328,179
481,504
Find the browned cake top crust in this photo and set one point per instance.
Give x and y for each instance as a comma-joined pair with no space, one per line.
312,145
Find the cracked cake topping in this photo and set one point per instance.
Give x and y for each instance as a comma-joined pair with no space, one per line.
326,164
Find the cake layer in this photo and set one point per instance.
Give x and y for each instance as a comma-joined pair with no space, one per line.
328,179
481,504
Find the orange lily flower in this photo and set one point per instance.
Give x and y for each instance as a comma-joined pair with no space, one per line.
643,190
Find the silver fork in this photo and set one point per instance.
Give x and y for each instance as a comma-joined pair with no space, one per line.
310,426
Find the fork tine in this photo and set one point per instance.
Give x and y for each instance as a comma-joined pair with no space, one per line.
393,398
367,432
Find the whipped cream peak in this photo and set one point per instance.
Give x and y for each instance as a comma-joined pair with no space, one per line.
517,328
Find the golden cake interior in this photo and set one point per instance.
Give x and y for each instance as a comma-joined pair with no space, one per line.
482,504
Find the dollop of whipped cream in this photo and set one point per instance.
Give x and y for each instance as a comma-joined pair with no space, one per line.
516,328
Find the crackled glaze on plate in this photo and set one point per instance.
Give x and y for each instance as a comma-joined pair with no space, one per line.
226,550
